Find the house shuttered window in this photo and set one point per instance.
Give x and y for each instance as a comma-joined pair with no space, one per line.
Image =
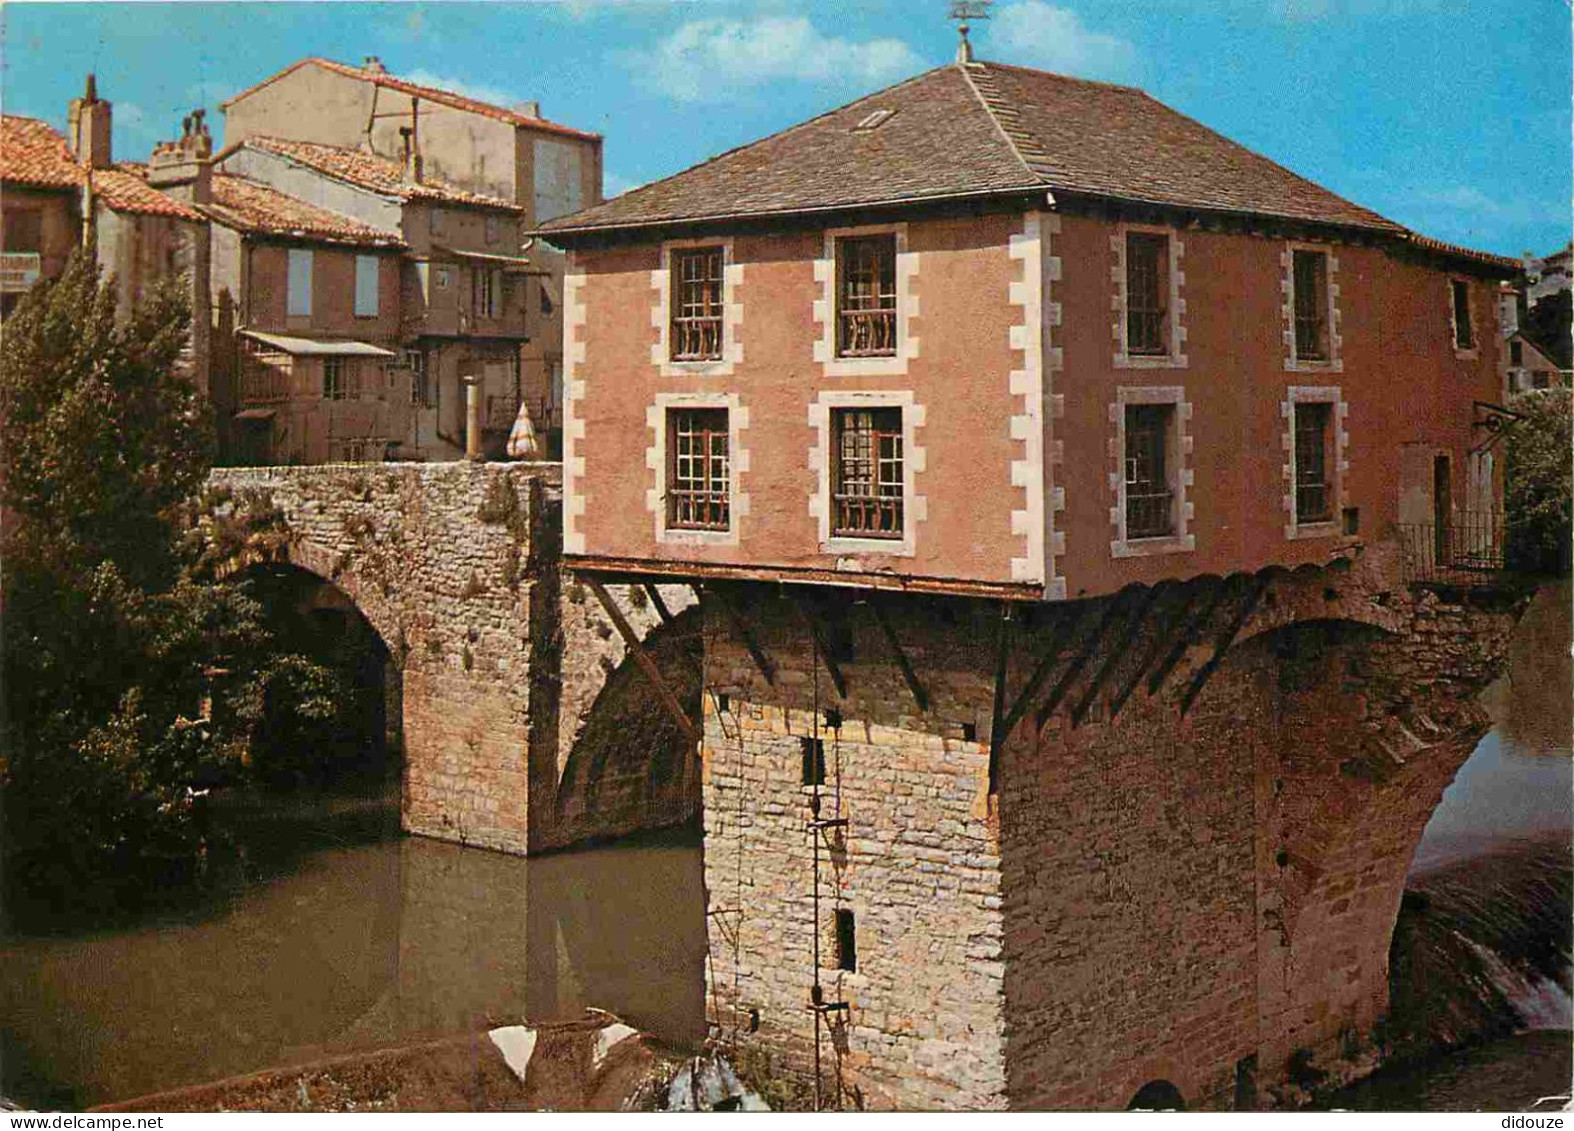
366,282
298,286
699,469
697,304
867,473
1464,332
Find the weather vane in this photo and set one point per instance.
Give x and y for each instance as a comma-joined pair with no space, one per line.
964,12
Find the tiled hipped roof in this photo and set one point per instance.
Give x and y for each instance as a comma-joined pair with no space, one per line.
979,129
369,171
124,188
256,209
428,93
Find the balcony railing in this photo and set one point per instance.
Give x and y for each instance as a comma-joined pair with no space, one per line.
1148,515
264,385
1467,550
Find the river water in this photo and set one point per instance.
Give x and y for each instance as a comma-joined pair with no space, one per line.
339,934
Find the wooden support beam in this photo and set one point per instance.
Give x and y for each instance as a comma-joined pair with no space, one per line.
1065,624
661,606
920,696
1187,633
1161,635
1259,586
838,680
1118,653
997,728
1085,653
741,627
668,698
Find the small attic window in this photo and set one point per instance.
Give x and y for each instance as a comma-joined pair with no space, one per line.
874,121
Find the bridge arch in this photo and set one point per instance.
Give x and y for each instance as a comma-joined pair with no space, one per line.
1157,1095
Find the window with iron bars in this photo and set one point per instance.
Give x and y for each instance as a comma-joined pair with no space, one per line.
1147,256
1149,513
867,473
866,296
420,389
697,304
1313,490
1311,305
1464,333
698,469
335,379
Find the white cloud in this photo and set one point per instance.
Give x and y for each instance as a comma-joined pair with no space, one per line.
707,60
478,91
1040,34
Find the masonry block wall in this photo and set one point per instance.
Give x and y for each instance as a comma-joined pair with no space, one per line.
1196,885
455,567
917,864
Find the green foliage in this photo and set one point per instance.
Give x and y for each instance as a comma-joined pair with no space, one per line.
126,665
1539,482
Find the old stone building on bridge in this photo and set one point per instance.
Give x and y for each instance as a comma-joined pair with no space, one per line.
1056,549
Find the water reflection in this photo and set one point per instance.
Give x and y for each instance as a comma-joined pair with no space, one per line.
354,945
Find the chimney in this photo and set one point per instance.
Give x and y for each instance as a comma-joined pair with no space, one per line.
90,121
185,165
374,64
530,109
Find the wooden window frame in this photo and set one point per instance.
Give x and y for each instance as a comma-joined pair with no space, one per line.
1314,478
1149,474
1148,316
1310,316
868,487
867,297
699,478
697,326
336,379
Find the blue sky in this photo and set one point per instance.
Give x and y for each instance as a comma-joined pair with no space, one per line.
1450,116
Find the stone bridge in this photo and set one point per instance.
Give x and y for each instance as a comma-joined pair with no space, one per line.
956,856
526,724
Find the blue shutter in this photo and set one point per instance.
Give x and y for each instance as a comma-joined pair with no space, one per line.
299,299
366,286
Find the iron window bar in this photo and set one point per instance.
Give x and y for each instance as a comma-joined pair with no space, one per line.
866,297
1313,493
868,500
698,494
1148,495
1145,311
697,305
1311,319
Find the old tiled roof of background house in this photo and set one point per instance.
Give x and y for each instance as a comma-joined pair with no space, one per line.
369,171
255,208
429,93
125,188
979,129
1461,252
32,153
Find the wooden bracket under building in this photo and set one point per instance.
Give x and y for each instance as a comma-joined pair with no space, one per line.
837,678
1065,624
1089,645
741,627
655,599
1118,653
997,728
664,692
1161,635
920,696
1186,634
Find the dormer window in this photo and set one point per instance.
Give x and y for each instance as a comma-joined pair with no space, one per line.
866,296
873,121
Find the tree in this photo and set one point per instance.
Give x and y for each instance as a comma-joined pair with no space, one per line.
1539,482
128,670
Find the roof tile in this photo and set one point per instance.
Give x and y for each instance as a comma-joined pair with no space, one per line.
250,206
32,153
369,171
982,128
